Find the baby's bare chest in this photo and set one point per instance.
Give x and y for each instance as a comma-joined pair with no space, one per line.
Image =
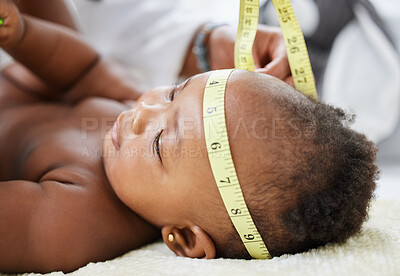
35,139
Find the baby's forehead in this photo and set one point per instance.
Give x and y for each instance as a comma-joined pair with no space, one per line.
249,96
256,121
251,88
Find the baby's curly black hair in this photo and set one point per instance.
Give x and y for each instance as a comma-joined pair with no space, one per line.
322,182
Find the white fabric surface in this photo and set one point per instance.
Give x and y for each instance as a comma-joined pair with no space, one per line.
138,35
389,180
363,73
5,59
150,38
373,252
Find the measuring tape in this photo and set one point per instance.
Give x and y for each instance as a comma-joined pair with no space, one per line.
247,29
296,48
216,135
222,166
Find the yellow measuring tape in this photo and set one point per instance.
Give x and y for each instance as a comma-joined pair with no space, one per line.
247,29
215,131
221,162
296,48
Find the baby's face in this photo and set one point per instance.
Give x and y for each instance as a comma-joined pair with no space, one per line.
155,156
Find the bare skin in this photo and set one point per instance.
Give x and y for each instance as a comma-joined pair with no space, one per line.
58,210
63,207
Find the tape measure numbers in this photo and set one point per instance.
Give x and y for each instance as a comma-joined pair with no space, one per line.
247,29
296,48
215,131
222,166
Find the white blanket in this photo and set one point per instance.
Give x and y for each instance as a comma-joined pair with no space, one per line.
375,251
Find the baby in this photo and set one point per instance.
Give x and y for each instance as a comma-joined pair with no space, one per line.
75,160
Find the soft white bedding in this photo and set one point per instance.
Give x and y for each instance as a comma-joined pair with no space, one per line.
375,251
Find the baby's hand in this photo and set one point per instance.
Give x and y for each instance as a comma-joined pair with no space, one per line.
11,25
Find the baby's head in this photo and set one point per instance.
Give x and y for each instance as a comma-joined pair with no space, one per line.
306,177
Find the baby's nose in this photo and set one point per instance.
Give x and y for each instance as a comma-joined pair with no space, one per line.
146,117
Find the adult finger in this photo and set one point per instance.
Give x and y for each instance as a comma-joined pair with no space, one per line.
289,80
279,68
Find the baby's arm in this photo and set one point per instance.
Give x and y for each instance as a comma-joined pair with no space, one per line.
60,58
55,11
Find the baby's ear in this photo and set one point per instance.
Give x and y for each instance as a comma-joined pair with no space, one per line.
189,241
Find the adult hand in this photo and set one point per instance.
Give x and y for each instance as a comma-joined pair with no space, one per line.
269,51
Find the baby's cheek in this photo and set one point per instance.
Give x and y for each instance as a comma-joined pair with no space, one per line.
134,168
115,167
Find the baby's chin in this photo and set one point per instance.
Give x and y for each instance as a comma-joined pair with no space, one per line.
113,158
